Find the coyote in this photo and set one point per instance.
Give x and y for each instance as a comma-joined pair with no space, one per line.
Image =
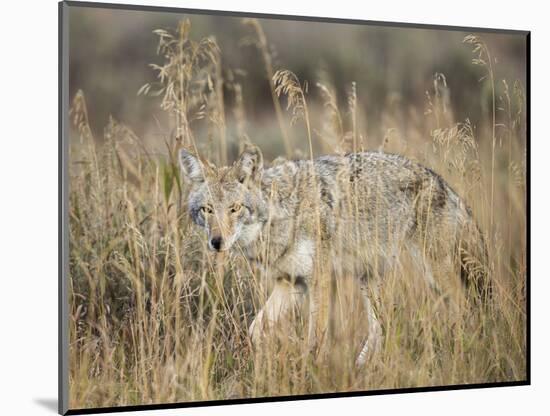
357,212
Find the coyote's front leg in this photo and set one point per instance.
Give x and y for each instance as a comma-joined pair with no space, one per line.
286,297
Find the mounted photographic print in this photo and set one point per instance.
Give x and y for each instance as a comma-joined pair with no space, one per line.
263,208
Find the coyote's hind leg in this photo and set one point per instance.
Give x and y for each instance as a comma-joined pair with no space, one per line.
425,268
373,343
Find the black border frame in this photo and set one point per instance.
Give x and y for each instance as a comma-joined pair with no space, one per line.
63,240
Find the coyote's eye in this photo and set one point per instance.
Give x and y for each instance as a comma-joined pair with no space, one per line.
235,208
206,210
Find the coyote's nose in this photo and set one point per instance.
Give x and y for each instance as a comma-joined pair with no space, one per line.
216,243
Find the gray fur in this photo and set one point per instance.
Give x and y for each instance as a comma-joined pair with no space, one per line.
360,211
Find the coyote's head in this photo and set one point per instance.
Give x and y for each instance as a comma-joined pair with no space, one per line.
226,201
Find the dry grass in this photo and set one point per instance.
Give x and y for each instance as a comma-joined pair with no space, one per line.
155,318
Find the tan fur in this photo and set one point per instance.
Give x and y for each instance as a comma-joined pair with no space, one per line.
358,212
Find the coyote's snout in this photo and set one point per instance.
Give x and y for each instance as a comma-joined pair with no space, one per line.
358,212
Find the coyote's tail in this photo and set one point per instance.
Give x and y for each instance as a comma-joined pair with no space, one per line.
474,259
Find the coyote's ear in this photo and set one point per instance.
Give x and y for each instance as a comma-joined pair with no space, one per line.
250,164
191,167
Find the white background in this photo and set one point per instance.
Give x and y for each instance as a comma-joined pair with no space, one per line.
28,217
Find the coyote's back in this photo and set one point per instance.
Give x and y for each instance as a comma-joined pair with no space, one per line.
371,206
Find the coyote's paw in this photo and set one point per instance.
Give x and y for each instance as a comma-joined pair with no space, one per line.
371,347
364,356
255,331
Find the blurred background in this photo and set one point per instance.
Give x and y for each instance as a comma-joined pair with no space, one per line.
393,68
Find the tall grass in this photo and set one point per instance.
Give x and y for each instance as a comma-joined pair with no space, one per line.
156,318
